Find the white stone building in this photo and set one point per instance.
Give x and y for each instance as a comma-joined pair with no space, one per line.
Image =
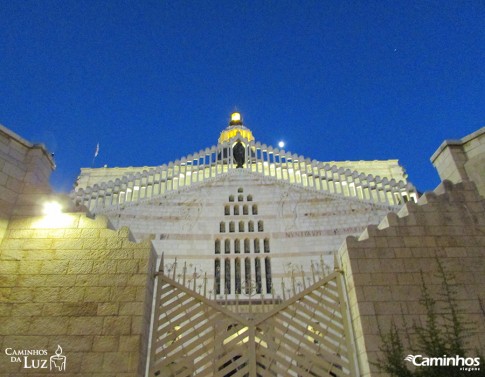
242,219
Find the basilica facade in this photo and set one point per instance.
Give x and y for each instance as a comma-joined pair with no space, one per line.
240,259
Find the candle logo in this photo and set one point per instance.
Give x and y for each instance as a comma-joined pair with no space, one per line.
58,361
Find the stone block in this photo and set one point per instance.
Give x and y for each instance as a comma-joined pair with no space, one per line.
14,326
52,309
119,325
121,293
113,280
104,266
127,266
92,362
26,309
120,361
97,294
80,267
46,294
21,294
85,325
55,267
9,267
131,308
83,309
130,343
108,309
106,343
48,326
87,280
71,294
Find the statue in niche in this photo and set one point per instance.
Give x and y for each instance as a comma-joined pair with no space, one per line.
238,151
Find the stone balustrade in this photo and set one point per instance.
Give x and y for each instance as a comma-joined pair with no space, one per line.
261,159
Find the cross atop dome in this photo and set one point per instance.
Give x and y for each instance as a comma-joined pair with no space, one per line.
234,128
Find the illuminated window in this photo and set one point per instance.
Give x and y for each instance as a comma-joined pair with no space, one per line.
241,226
269,279
257,267
250,226
245,209
237,246
236,210
227,276
256,245
222,227
217,247
260,226
255,209
237,276
246,246
226,210
217,275
232,228
227,246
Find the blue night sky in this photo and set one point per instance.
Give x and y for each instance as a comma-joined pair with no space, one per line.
153,81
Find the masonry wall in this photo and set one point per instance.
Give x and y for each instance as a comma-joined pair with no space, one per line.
464,159
383,268
71,281
25,169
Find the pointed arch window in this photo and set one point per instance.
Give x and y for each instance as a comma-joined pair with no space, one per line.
260,226
250,198
246,246
236,210
269,279
217,276
227,276
255,209
245,209
247,276
217,247
250,226
227,210
256,245
240,189
231,198
266,245
222,227
240,198
231,227
257,268
237,276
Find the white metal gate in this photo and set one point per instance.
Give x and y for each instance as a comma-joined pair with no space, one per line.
307,335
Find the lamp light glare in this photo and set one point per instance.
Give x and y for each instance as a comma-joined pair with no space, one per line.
235,117
52,208
281,144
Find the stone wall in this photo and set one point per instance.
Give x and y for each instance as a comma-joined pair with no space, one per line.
383,267
25,169
464,159
71,281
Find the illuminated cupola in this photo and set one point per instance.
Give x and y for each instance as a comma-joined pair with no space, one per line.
235,128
